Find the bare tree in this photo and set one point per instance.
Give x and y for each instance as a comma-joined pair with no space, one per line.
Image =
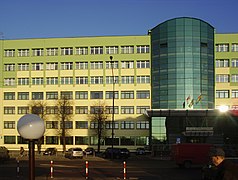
38,108
65,113
98,116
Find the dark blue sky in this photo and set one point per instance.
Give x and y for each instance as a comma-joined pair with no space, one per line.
68,18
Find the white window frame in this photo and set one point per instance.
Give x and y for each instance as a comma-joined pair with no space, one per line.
81,50
66,65
127,64
96,50
66,51
112,49
96,80
52,66
81,65
9,67
142,49
37,66
9,53
66,80
23,67
127,79
38,52
81,80
9,82
52,80
52,51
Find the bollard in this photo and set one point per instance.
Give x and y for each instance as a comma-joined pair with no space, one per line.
86,170
51,169
124,170
18,169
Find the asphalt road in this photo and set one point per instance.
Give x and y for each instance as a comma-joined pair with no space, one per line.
137,168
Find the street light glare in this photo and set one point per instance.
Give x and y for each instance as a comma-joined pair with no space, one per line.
223,108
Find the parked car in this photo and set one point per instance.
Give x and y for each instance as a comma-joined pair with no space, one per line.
50,151
140,151
117,153
4,153
74,153
89,151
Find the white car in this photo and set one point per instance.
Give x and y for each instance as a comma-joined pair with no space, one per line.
74,153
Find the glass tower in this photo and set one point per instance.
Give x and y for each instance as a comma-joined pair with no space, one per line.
182,53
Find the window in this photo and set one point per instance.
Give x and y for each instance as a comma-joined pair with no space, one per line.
52,51
222,47
67,109
96,109
234,78
127,125
9,52
111,49
142,94
96,80
52,140
127,79
143,79
142,141
96,95
127,49
37,66
37,109
9,81
38,52
81,65
113,64
9,124
23,81
222,94
67,51
81,51
96,65
51,66
109,94
127,110
141,109
51,80
9,140
66,94
51,124
23,96
51,110
23,67
222,78
81,80
81,110
108,125
66,66
234,93
127,141
96,50
81,124
143,64
23,110
66,80
81,95
109,80
9,95
9,67
37,81
234,63
127,64
81,140
222,63
234,47
68,124
93,125
51,95
9,110
37,96
142,49
23,52
109,110
142,125
127,95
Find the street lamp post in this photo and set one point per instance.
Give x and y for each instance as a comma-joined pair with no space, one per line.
113,101
31,127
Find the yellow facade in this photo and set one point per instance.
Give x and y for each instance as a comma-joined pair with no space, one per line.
28,64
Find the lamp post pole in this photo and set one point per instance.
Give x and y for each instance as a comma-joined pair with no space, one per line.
113,101
31,126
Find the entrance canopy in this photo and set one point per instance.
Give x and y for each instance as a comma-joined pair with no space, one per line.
188,112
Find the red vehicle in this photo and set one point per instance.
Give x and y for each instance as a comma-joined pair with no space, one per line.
188,154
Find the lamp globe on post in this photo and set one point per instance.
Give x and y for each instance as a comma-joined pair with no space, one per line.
31,127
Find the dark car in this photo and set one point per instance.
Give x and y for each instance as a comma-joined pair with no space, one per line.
89,151
4,153
117,153
140,151
50,151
